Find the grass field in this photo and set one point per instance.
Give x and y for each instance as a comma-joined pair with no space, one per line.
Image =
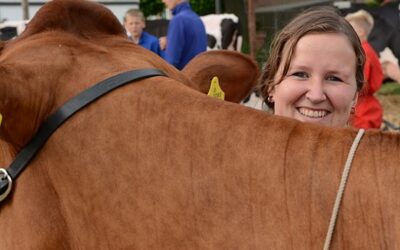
389,96
391,88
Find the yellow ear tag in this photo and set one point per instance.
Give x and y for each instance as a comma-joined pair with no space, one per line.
215,90
1,119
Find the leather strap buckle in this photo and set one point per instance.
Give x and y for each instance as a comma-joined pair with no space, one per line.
5,184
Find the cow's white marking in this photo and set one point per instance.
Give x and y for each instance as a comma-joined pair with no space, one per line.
213,23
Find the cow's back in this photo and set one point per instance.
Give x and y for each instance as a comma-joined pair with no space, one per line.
158,165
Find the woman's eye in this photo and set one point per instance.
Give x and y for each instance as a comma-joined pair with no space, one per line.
300,74
334,79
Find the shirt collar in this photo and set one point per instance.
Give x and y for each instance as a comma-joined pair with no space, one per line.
180,7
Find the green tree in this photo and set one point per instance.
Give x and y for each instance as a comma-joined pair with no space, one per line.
151,7
203,7
155,7
373,3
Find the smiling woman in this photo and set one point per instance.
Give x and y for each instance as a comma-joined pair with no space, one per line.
315,69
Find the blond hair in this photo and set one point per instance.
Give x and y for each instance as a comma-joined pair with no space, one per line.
134,13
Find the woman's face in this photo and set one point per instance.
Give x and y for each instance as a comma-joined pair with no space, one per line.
320,85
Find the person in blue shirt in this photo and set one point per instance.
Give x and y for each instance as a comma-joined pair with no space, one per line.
134,23
186,35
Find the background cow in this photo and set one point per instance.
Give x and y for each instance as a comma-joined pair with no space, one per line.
157,165
223,31
10,29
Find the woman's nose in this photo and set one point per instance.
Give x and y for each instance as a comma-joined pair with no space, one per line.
316,91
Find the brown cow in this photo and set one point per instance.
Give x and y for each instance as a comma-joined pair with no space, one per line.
158,165
6,152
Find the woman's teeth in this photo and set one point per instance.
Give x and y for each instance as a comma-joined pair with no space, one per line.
313,113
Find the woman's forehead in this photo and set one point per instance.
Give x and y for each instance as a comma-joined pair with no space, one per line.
332,48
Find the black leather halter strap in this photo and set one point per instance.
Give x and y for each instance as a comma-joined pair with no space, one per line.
61,115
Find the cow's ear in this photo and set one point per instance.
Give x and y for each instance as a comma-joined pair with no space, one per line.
237,73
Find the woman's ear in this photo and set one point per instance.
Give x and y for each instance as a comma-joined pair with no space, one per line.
270,99
271,92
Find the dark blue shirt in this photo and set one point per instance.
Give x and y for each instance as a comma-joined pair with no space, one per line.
150,42
186,36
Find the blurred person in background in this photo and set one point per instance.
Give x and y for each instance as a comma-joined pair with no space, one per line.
368,111
134,23
186,36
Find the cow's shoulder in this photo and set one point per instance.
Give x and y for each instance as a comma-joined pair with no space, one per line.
81,18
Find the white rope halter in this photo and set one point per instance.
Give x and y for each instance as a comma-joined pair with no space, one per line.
342,186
